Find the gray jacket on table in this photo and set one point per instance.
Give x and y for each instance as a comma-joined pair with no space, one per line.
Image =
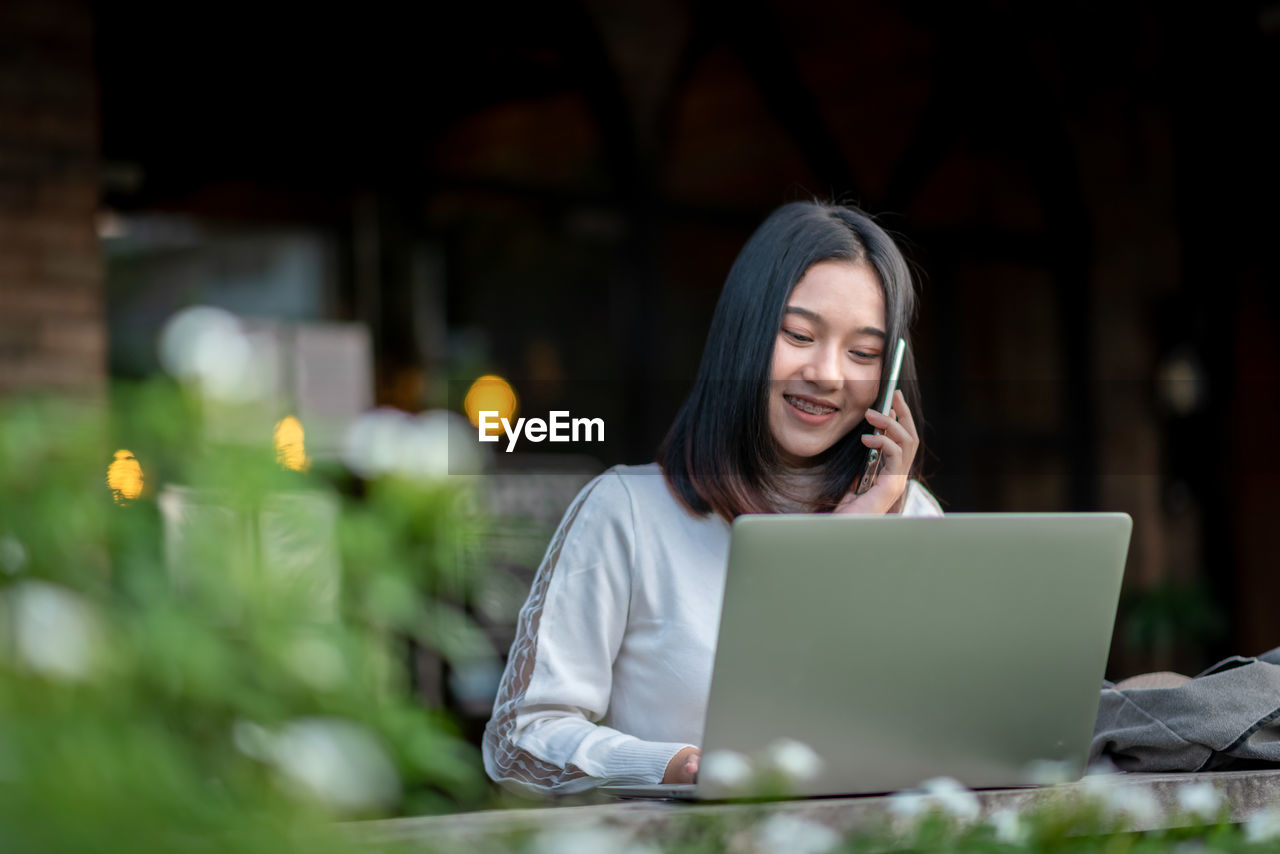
1226,718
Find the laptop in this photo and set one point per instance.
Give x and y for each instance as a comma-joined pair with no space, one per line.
901,649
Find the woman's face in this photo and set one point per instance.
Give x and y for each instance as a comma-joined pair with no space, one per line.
826,359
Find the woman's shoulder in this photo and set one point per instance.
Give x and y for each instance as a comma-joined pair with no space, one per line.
639,490
637,478
637,487
619,505
616,490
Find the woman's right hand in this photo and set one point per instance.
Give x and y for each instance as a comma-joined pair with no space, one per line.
683,767
898,441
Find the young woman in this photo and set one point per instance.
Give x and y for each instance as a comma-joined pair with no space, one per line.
610,671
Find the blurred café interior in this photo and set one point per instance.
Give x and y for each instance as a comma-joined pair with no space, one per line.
406,198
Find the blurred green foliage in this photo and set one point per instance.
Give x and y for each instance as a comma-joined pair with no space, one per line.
1171,625
212,665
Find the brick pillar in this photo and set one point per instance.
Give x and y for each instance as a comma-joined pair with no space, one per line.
52,321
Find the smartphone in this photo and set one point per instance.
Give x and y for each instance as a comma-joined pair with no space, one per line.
875,459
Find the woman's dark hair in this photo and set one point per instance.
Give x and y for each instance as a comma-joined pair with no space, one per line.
719,455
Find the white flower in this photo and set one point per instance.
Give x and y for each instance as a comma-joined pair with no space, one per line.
208,346
796,760
1201,800
1049,772
1263,826
725,770
940,793
13,555
445,444
55,631
907,804
787,834
1098,785
954,799
386,441
906,809
336,761
1137,805
372,442
1009,826
1103,765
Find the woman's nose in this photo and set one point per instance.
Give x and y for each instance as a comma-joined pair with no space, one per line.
823,368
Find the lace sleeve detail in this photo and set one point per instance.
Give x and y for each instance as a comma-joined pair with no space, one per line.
504,761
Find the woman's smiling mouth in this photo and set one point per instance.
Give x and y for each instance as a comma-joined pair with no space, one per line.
809,407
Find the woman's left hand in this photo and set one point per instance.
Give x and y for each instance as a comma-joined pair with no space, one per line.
898,442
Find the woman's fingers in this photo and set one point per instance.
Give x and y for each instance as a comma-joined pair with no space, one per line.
898,434
691,767
683,767
904,413
897,440
887,446
898,428
898,422
899,417
887,425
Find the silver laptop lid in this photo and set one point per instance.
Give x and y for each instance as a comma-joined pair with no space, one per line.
902,649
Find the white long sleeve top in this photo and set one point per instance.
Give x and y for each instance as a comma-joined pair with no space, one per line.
610,671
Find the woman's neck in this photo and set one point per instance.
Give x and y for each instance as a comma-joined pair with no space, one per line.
795,489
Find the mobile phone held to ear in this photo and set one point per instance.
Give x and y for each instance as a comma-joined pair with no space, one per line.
875,458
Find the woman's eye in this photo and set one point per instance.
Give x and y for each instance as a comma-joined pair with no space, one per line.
796,336
858,354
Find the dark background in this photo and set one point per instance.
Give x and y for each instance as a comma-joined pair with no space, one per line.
555,191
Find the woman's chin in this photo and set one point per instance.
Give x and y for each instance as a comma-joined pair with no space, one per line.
802,455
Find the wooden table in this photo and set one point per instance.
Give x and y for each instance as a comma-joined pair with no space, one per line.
1246,792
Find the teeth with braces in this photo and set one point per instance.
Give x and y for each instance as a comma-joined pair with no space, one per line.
806,406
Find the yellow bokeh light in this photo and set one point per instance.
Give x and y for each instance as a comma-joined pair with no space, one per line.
291,447
124,477
491,393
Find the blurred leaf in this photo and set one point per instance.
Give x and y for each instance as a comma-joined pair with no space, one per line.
230,594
